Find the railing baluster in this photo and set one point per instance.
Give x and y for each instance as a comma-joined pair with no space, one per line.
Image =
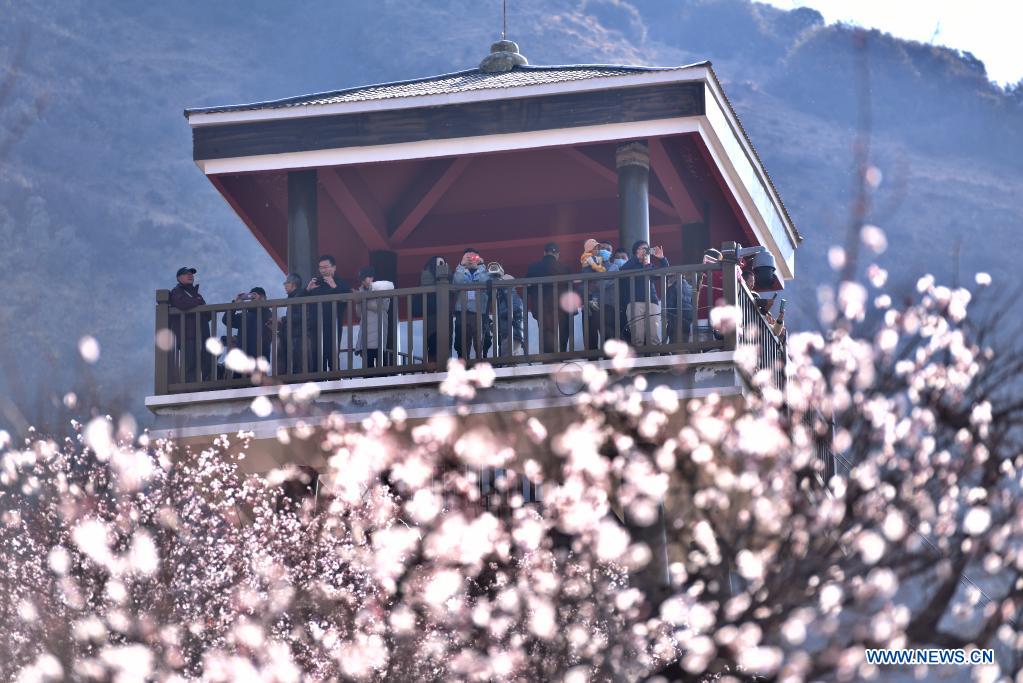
244,332
289,348
461,310
162,352
349,332
525,322
677,335
181,348
306,348
366,330
730,294
616,301
275,341
318,342
443,298
198,348
409,356
480,312
665,337
540,321
335,335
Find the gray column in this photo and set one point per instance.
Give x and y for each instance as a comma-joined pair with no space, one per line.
302,230
633,162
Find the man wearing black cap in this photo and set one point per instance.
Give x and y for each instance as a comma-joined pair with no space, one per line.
545,301
190,331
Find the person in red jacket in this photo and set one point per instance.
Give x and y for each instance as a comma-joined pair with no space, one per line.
191,333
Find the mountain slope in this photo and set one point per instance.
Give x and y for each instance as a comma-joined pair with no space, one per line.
100,203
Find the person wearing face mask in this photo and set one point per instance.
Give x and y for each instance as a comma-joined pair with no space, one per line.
590,260
615,327
471,305
599,261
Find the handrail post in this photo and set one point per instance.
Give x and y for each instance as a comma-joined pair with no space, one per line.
163,355
730,292
443,285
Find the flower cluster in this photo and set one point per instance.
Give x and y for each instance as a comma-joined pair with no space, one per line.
872,500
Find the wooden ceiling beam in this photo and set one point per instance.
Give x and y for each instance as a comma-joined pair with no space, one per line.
427,191
671,180
538,240
611,176
352,198
240,201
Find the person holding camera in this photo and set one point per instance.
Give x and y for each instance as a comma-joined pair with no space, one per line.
471,319
373,318
643,313
326,282
509,311
596,259
253,325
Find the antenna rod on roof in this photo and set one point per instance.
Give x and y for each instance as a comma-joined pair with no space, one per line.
504,19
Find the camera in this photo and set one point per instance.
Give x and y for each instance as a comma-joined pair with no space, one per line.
761,261
246,296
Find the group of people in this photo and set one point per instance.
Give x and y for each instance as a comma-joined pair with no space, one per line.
305,335
636,319
485,317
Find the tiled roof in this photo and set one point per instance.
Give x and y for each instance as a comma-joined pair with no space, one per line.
462,81
474,79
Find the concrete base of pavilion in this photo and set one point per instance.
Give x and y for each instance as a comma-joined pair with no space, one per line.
549,392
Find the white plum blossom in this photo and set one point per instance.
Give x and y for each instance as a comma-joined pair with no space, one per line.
88,348
261,406
530,548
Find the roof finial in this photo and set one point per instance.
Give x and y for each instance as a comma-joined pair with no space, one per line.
504,54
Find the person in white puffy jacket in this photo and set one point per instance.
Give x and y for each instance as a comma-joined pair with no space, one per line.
373,319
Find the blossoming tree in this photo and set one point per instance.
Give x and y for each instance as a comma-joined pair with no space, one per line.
688,540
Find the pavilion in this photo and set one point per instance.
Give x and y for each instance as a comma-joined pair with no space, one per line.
503,157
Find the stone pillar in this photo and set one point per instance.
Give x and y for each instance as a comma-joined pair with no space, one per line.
303,240
633,162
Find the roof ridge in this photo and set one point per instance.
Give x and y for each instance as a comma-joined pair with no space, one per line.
312,98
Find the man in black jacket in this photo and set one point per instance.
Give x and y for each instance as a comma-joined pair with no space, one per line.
326,283
253,325
643,313
289,334
545,300
190,331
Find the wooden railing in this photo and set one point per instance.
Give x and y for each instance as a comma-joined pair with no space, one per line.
417,329
756,331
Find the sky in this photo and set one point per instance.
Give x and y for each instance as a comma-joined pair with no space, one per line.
987,28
